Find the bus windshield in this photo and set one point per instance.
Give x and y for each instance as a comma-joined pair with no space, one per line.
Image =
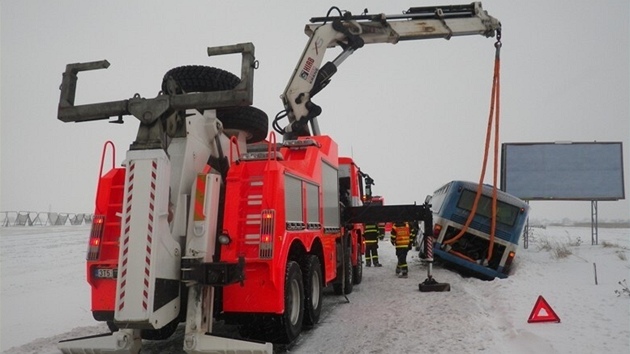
506,213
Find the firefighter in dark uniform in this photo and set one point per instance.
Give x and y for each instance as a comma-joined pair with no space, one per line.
370,236
401,239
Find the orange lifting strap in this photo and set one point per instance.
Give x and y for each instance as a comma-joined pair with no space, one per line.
493,117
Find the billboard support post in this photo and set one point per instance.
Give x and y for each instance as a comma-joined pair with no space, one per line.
594,226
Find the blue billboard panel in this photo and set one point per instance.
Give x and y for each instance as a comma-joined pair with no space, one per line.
563,171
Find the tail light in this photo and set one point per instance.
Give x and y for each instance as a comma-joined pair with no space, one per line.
267,222
437,228
96,235
508,262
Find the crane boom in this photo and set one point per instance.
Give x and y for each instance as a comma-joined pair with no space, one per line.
352,32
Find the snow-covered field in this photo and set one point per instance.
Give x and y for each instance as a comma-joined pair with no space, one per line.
44,298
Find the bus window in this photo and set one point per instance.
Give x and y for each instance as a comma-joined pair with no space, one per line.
506,213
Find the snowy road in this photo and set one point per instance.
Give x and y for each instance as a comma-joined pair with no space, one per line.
45,299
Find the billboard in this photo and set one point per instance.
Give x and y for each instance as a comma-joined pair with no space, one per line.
563,170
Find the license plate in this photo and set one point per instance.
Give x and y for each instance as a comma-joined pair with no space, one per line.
105,272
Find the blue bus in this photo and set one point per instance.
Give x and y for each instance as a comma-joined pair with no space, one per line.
475,251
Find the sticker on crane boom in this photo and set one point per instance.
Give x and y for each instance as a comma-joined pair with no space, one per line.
308,71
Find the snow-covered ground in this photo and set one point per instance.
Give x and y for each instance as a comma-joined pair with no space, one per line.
44,298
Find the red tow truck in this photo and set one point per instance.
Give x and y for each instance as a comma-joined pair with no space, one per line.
209,217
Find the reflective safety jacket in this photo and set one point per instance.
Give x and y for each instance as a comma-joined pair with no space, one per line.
371,233
401,235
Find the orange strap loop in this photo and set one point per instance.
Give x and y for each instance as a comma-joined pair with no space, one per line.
493,117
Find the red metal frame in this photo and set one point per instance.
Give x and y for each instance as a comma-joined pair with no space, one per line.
263,288
108,204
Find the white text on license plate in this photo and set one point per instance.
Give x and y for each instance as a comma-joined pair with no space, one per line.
105,273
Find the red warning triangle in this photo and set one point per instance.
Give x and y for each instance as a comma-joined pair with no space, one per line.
542,312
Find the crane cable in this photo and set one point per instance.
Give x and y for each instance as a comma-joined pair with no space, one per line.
493,117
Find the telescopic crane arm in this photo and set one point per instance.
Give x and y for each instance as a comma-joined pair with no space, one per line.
351,32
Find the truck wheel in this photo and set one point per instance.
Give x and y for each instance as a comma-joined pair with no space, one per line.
198,78
312,272
348,281
290,323
358,269
349,273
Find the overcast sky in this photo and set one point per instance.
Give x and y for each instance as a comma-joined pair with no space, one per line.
413,115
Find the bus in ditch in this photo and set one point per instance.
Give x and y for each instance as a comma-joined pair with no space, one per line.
468,243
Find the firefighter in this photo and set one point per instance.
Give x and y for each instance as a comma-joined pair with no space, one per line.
370,236
401,239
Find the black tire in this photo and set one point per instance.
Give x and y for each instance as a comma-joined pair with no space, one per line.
349,274
251,120
199,78
290,322
348,283
357,270
312,272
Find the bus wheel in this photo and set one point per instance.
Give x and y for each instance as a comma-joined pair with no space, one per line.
312,272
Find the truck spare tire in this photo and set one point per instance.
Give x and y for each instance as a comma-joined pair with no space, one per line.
251,120
199,78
